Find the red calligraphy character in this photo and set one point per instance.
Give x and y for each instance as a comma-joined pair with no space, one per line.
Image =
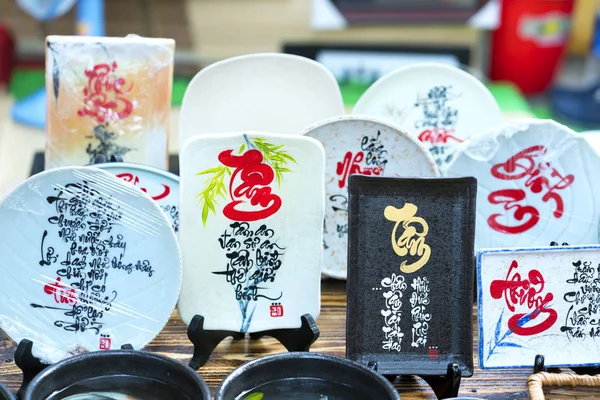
349,167
372,171
62,294
520,165
255,177
104,97
538,183
127,177
525,292
438,135
510,198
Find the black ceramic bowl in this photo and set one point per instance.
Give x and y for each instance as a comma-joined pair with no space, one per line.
283,375
6,394
136,373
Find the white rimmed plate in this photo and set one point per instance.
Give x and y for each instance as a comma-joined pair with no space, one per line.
442,105
536,185
89,263
161,185
366,146
259,92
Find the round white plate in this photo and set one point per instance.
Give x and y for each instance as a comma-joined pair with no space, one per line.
280,93
366,146
440,104
536,185
88,263
162,186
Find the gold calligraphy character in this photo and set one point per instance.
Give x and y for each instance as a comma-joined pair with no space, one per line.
411,241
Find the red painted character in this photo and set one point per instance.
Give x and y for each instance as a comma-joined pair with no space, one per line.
349,167
62,294
524,165
254,187
438,136
127,177
104,97
525,292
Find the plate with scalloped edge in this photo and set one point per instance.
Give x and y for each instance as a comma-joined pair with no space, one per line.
536,185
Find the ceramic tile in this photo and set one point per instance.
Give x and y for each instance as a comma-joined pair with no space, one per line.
539,301
108,96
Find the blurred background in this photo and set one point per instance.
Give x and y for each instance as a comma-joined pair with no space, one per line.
538,57
525,49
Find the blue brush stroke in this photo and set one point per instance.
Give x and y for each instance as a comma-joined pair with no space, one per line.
499,342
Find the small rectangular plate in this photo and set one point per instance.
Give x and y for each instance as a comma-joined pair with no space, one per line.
410,274
539,301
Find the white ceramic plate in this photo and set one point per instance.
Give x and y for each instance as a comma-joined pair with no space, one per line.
162,186
259,92
539,301
251,230
440,104
367,146
88,263
536,185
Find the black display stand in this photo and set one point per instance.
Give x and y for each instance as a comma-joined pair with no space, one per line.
444,386
538,366
31,365
206,341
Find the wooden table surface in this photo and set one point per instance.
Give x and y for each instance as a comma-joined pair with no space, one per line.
173,342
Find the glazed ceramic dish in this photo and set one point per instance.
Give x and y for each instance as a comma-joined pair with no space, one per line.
259,92
162,186
318,376
536,185
410,252
558,319
441,105
251,230
89,263
117,375
365,146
